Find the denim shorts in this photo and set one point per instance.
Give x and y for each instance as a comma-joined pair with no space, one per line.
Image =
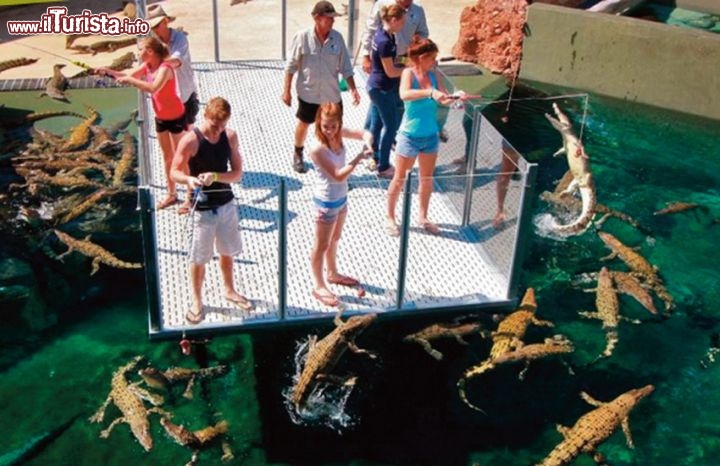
410,147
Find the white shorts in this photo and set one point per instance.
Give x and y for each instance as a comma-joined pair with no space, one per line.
218,228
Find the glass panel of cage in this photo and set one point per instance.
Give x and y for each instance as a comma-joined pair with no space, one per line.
365,253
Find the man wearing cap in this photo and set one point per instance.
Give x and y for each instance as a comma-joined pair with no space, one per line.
318,54
179,58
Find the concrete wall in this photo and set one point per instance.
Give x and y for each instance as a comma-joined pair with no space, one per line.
622,57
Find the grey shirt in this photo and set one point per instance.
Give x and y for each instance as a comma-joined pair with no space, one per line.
317,65
415,23
180,49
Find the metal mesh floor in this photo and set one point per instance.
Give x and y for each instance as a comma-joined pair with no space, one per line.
451,269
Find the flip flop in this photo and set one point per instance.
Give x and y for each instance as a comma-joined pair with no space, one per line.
430,228
184,208
193,317
331,301
344,281
392,229
167,202
244,304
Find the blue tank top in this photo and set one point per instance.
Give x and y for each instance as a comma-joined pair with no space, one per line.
420,117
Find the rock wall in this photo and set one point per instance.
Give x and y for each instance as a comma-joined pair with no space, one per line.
491,33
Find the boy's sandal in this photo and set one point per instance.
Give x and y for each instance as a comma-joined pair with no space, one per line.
193,317
344,281
331,301
430,228
167,202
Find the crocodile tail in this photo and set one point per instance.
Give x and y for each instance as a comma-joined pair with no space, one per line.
463,395
580,224
42,115
611,339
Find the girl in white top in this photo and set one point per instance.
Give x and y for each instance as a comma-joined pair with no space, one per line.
331,197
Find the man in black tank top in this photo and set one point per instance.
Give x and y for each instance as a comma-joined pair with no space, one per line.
211,151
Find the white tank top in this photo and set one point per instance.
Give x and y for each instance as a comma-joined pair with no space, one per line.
326,188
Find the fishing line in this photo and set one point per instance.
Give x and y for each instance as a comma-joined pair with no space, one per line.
76,63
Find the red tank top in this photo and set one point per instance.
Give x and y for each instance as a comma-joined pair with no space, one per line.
166,101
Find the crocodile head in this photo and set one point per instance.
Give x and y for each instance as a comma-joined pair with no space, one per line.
638,394
356,324
528,302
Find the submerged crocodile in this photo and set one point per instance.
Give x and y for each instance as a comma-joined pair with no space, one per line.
16,62
323,355
56,85
164,380
607,310
127,397
639,266
80,134
595,427
555,346
125,164
507,337
199,438
98,254
579,165
77,210
628,284
435,331
678,206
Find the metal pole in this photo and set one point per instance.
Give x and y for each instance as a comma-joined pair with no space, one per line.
283,20
282,249
404,240
216,38
351,25
470,168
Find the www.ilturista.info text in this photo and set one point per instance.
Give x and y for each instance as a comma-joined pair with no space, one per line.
57,21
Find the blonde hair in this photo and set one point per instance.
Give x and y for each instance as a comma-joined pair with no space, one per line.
388,12
154,44
330,111
217,109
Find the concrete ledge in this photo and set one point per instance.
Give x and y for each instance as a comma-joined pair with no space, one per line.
627,58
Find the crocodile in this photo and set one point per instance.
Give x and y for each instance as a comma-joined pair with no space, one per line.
628,284
594,427
124,165
121,63
323,355
98,254
127,399
71,38
102,139
65,164
571,203
434,331
199,438
513,327
82,207
554,346
166,379
607,306
36,116
56,85
16,62
37,180
80,134
678,206
639,266
105,45
122,124
578,162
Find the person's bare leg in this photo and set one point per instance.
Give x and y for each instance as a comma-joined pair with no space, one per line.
300,133
197,276
402,166
507,167
331,253
226,269
427,168
167,148
323,231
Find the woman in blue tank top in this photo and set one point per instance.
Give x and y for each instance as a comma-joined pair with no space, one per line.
418,134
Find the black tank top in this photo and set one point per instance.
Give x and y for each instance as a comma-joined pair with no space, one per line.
212,158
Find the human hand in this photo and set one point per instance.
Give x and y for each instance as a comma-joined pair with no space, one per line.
366,65
286,97
355,97
194,182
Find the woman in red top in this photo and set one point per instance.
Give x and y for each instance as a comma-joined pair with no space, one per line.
157,77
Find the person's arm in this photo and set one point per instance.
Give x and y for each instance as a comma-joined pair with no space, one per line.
180,48
422,27
322,162
235,173
135,72
162,76
186,149
372,24
291,67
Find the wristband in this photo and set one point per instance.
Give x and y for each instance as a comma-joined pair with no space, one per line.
215,176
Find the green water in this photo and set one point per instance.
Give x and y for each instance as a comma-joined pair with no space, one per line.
65,333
